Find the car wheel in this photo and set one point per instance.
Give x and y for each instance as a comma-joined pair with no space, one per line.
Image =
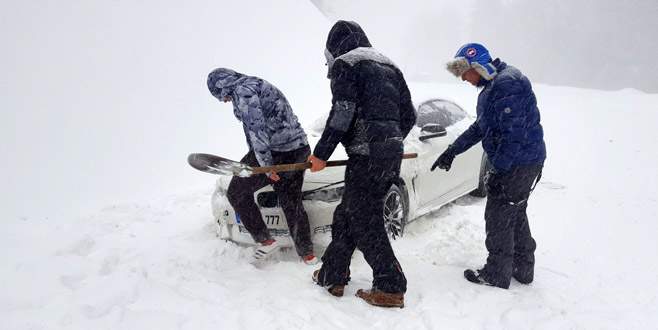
481,190
395,212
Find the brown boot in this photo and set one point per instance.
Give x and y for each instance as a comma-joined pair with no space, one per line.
381,298
336,290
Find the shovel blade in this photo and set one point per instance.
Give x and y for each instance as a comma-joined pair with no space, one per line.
218,165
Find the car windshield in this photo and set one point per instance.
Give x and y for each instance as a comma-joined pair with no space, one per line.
437,111
316,127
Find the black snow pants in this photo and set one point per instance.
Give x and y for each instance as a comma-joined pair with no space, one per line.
289,192
359,223
509,242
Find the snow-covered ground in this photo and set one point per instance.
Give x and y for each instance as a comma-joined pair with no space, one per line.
159,264
104,226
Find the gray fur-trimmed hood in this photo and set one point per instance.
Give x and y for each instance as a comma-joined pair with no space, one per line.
460,65
356,55
365,53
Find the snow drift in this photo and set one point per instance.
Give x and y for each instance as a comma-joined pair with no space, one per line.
159,264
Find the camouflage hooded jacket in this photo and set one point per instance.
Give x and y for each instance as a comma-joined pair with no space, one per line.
267,119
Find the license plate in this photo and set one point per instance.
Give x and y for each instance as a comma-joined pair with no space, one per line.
272,220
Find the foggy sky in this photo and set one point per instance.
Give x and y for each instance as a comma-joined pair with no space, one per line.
101,101
602,44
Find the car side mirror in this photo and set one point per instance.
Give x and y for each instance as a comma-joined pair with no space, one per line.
429,131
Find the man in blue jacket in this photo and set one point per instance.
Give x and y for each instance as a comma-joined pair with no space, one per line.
274,136
513,139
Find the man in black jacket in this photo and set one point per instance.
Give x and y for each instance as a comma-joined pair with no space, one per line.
371,115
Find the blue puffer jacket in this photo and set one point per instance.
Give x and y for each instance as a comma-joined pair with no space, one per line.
507,122
267,118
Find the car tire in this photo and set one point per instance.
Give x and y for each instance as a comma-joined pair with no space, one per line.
395,212
481,190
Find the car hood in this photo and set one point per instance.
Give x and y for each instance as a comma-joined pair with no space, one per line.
328,176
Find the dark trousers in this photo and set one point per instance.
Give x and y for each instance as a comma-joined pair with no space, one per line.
289,192
359,223
509,241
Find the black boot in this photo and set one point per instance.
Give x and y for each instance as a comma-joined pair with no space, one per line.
524,274
336,290
478,277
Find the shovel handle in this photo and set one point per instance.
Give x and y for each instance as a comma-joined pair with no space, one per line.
306,165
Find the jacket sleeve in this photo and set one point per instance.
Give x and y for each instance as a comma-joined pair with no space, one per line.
407,111
255,125
511,118
470,137
344,87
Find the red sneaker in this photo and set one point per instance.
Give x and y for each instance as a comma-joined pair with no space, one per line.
310,259
266,249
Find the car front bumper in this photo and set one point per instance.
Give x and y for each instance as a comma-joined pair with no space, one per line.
230,227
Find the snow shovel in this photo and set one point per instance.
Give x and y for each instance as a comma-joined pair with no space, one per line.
219,165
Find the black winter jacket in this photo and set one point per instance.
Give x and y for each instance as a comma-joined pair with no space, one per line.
372,111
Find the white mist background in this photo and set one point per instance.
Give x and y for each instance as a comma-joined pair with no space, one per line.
98,99
602,44
89,88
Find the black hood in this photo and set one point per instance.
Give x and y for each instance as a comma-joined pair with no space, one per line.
344,37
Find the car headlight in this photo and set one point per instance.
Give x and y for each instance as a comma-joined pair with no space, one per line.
325,195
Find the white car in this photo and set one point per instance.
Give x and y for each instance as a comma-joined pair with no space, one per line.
416,192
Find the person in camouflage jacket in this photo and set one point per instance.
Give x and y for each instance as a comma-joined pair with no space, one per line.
274,136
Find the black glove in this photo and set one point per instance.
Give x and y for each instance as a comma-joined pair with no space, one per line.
495,184
445,160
